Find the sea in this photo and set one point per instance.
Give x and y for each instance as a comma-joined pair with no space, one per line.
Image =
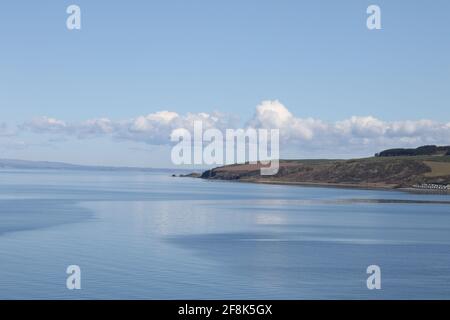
148,235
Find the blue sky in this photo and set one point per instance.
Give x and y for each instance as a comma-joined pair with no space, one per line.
134,58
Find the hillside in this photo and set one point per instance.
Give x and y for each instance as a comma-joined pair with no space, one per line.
430,150
376,172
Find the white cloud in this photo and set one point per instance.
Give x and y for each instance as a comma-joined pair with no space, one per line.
358,133
47,125
348,136
273,114
363,127
154,128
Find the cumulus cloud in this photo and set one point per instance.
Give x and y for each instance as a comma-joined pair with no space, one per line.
155,128
274,115
46,125
357,132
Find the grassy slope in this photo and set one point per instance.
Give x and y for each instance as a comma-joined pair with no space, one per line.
390,172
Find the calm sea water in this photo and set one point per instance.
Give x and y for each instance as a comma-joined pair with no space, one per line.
151,236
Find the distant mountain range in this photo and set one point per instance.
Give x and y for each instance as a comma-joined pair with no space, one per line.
25,164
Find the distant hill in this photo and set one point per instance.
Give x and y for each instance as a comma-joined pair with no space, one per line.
420,151
24,164
376,172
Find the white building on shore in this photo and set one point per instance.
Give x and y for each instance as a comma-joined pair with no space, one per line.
432,186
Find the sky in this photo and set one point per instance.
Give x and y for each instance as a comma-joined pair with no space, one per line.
112,92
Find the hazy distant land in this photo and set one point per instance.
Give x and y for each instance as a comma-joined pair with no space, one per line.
25,164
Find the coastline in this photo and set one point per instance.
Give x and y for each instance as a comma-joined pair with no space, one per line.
369,186
428,174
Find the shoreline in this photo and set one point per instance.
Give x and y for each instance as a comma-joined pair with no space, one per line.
428,174
337,186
